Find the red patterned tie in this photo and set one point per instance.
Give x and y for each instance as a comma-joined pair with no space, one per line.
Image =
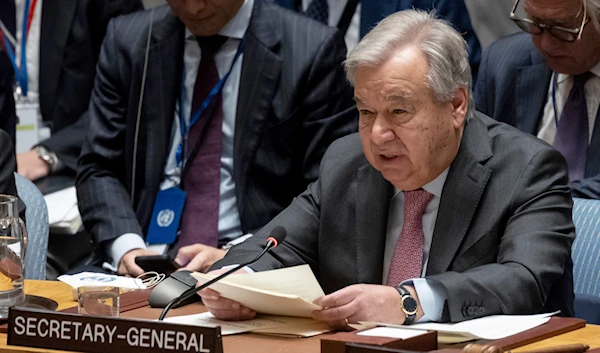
201,182
407,260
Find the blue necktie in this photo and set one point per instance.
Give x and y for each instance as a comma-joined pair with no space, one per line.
572,130
318,10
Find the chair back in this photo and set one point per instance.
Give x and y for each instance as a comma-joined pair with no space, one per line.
36,214
586,259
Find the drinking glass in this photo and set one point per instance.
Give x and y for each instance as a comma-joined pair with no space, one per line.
98,300
13,243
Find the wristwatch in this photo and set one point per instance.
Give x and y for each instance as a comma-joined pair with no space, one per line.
47,156
408,304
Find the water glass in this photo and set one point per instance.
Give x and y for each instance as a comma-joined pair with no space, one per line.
13,243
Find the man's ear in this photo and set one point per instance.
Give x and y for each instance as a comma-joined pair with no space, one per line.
460,105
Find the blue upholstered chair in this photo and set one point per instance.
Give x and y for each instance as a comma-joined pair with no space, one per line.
36,214
586,259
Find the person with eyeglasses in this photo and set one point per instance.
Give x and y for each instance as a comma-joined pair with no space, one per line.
547,82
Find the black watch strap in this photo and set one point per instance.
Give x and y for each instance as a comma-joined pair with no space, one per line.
408,304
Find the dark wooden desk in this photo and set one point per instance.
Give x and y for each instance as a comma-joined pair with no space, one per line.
253,343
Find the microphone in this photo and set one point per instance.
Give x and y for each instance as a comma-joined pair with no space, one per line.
276,236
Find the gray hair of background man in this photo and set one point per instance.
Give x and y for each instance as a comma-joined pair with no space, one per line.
594,12
444,48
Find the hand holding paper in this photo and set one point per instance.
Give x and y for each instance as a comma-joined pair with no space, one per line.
361,302
288,291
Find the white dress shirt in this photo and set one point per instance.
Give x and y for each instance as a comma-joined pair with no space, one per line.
336,8
432,294
229,219
564,83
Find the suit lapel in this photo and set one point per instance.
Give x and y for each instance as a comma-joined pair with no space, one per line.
373,201
259,77
531,90
457,207
57,17
163,75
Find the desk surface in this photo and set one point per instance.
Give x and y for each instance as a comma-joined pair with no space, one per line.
250,343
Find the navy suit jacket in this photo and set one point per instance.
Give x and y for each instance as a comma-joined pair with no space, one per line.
293,102
513,88
455,11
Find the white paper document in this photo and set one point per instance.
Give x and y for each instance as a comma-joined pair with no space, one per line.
492,327
392,332
101,279
265,324
63,214
287,291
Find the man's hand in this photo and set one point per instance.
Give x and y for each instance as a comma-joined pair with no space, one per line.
223,308
127,265
31,166
363,302
198,257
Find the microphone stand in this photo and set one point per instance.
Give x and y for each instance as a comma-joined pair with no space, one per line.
192,291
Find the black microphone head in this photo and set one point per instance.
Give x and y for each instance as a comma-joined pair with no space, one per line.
277,235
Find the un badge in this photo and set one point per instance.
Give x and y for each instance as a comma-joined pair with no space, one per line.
165,218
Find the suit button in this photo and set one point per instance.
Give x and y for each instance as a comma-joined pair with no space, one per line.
471,311
464,311
481,310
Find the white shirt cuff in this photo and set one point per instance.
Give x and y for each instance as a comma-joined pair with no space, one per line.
432,296
122,245
237,241
245,268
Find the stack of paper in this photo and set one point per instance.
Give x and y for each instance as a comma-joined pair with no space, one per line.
489,328
63,214
287,291
283,298
263,324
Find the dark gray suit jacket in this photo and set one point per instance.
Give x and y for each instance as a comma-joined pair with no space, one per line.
513,88
8,165
293,102
502,238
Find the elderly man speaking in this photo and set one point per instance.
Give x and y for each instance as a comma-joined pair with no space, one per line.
442,209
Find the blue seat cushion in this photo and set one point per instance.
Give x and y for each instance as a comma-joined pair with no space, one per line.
587,307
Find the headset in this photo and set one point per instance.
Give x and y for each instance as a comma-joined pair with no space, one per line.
139,112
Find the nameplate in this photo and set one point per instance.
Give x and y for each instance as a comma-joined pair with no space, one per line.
72,332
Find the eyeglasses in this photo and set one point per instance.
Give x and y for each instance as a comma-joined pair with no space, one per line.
558,32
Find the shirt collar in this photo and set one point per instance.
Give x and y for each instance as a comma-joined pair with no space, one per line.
435,186
237,26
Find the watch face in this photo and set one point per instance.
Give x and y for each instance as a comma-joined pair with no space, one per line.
409,304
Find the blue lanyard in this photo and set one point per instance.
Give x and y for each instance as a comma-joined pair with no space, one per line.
554,83
21,75
195,116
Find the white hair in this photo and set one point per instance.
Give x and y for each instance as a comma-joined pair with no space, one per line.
445,50
593,10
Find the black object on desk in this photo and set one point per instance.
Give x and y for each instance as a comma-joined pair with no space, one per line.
172,287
